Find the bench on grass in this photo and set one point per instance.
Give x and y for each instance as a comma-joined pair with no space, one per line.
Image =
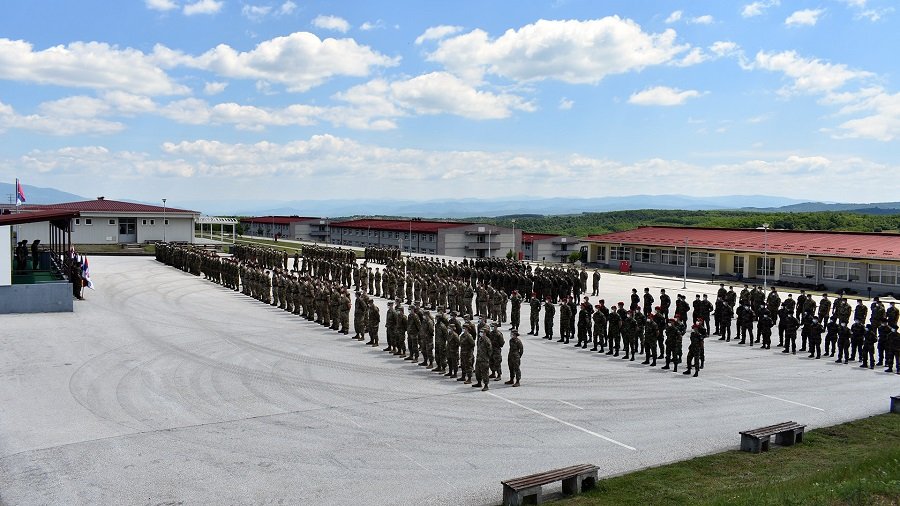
786,434
895,404
574,480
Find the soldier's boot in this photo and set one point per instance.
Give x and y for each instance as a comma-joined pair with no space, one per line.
387,349
436,369
510,382
665,366
516,383
584,346
675,367
721,338
696,372
688,371
610,352
653,363
423,363
702,363
476,385
462,378
595,349
485,389
632,356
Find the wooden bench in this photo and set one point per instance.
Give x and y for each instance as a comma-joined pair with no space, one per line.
895,404
574,480
786,434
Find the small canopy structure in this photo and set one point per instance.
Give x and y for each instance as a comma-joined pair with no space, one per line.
222,222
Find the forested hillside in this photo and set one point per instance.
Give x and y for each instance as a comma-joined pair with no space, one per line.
598,223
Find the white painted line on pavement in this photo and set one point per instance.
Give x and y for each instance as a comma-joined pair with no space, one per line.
570,404
551,417
764,395
739,379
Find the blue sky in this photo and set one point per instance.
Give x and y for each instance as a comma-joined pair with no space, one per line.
288,100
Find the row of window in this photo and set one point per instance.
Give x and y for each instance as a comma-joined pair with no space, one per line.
699,259
387,235
90,221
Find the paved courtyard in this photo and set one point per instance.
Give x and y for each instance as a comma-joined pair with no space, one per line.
163,388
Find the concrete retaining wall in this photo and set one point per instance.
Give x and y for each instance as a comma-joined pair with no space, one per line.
37,298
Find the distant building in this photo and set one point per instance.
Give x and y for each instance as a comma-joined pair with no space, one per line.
428,237
864,262
548,247
298,228
103,221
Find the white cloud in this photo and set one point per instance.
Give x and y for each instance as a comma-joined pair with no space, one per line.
662,95
242,117
161,5
805,17
706,19
437,33
299,61
809,75
571,51
56,119
370,25
255,12
674,17
214,88
724,48
331,23
565,104
757,8
93,65
695,56
882,122
287,8
444,93
203,7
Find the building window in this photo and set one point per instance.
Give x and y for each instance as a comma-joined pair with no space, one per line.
88,221
765,266
703,260
844,271
78,221
480,239
167,222
738,265
645,255
153,222
884,274
671,257
619,253
564,247
143,222
798,267
112,222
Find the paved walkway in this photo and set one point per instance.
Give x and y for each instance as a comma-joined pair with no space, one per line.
165,388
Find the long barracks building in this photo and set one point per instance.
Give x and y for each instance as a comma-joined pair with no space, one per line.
298,228
864,262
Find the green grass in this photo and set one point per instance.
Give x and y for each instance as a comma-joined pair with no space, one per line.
291,248
97,249
856,463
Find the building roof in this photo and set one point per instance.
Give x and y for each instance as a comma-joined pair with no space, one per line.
819,243
102,205
401,225
35,216
278,220
529,237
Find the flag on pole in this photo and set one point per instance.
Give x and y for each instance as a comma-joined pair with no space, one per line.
86,274
20,194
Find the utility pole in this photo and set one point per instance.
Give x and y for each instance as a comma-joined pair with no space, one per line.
165,223
686,258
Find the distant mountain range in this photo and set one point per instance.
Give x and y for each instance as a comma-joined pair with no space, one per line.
462,208
35,194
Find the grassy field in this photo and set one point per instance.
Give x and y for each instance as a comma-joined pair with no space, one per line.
99,249
856,463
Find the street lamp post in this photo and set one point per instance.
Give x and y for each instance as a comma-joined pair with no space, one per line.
515,243
766,256
165,222
686,258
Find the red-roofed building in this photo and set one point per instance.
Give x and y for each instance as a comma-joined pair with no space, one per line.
104,221
451,238
298,228
837,260
548,247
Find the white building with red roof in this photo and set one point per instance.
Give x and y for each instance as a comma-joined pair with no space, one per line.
104,221
863,262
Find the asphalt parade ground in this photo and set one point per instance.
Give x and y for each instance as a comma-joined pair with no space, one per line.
164,388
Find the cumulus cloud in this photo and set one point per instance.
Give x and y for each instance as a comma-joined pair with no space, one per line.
662,95
706,19
805,17
882,117
565,104
331,23
58,120
203,7
93,65
255,12
371,25
243,117
723,48
572,51
214,88
674,17
161,5
757,8
808,75
298,61
287,7
437,33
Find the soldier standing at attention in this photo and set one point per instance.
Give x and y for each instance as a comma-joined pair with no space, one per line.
695,349
466,354
497,342
483,361
648,301
596,281
390,323
345,312
373,320
535,304
359,316
674,330
651,333
440,341
791,324
452,351
514,358
599,318
564,316
549,313
665,302
516,312
613,333
814,331
400,332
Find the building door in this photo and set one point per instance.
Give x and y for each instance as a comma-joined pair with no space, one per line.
127,230
738,265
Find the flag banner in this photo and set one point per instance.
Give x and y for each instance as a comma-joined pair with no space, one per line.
86,273
20,193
